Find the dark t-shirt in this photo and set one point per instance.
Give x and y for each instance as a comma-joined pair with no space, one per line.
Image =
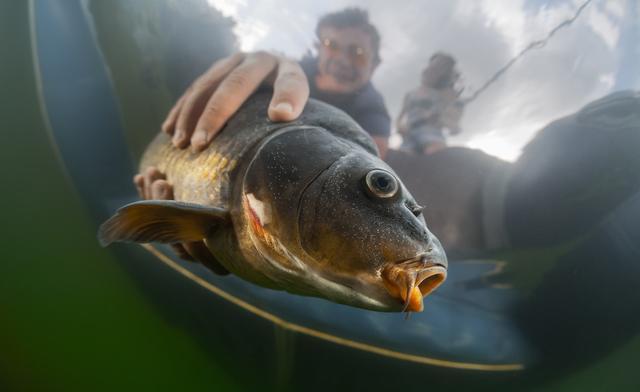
366,106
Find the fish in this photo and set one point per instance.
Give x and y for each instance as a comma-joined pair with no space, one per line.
305,206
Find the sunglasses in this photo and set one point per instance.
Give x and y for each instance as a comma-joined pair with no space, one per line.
356,53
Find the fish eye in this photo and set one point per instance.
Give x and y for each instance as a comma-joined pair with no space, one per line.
381,184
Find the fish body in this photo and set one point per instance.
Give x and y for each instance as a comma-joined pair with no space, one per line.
305,206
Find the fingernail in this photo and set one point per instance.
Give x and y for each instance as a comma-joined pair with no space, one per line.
164,191
283,107
178,136
199,139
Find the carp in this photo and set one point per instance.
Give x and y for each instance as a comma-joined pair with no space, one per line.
305,206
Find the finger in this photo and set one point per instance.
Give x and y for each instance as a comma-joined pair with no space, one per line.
138,180
232,92
194,103
151,174
290,92
168,126
161,190
200,252
190,108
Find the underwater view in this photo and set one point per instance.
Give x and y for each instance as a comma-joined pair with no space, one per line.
285,196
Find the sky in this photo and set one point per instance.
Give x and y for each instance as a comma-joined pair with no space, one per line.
579,64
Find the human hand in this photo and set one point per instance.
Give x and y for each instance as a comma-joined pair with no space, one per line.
152,184
217,94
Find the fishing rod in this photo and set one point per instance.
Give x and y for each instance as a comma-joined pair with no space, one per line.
533,45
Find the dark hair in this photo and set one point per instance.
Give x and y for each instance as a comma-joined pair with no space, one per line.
352,17
451,60
450,79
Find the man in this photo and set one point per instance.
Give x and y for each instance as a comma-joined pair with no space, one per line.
348,53
431,108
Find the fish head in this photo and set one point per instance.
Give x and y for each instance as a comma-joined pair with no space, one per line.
364,230
339,224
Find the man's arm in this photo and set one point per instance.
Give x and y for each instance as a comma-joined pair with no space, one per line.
218,93
377,124
401,121
383,145
371,114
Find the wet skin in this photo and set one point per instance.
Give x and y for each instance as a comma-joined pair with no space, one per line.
304,207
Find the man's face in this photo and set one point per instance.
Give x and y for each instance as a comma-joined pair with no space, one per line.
346,59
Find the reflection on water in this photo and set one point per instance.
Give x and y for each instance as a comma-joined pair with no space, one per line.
543,245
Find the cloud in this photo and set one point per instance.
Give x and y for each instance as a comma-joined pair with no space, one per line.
575,67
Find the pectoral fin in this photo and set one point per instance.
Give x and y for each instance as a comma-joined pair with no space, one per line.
165,221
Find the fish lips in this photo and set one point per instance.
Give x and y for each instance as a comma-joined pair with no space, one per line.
411,280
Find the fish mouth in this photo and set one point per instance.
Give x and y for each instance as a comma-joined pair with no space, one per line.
409,281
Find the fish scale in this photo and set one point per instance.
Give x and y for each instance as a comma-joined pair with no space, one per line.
290,206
